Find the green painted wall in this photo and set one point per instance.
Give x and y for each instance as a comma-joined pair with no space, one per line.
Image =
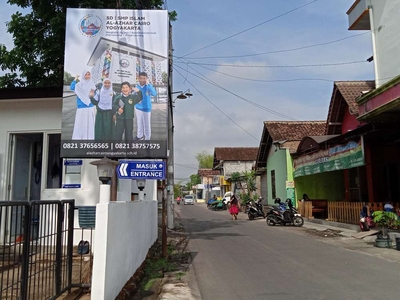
290,192
277,162
328,185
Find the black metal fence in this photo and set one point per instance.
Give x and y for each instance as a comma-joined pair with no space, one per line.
36,250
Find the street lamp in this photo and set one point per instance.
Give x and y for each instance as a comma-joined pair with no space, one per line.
170,160
182,94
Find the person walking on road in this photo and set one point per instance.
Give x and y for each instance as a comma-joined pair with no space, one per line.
234,207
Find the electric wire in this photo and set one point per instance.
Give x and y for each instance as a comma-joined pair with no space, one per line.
275,66
205,78
220,110
271,111
270,80
184,166
250,28
280,51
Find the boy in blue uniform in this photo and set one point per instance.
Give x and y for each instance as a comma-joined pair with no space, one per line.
143,108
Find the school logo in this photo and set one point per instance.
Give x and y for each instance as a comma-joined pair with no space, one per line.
124,63
90,25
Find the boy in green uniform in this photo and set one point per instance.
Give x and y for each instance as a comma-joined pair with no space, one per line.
124,107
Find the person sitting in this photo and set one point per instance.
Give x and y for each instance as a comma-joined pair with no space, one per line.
388,206
366,220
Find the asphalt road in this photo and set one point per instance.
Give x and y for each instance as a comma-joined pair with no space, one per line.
249,260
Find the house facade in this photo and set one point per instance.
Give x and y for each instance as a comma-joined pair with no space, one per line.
274,165
380,106
229,160
333,167
210,184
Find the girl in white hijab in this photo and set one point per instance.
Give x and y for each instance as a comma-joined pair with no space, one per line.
85,113
104,125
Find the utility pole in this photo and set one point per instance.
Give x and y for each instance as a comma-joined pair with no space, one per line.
170,198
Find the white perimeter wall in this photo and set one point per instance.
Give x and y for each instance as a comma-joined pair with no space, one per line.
125,231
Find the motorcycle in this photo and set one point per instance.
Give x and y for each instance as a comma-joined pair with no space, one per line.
255,210
276,216
178,201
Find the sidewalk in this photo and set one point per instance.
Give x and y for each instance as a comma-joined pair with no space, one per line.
348,237
179,284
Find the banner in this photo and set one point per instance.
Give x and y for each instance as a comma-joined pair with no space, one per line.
115,80
340,157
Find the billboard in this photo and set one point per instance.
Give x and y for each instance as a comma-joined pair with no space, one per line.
115,84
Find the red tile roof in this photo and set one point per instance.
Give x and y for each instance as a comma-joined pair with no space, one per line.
293,130
207,172
289,133
350,90
343,98
235,153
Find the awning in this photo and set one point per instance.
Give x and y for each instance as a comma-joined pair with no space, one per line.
339,157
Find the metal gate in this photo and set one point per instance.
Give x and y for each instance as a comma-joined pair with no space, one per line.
36,249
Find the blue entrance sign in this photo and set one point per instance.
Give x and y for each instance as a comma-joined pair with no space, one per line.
141,170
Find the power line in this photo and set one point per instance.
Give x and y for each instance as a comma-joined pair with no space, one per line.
271,80
281,51
271,111
217,106
275,66
181,165
243,31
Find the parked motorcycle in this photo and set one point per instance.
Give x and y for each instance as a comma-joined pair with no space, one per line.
255,210
218,205
276,216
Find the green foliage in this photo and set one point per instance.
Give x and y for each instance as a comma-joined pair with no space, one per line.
250,179
235,177
385,218
205,160
38,55
195,179
177,190
179,275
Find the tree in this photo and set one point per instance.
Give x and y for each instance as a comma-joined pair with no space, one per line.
195,179
38,55
248,185
205,160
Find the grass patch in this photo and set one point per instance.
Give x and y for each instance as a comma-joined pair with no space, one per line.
149,284
179,275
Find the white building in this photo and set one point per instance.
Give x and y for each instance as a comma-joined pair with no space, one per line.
381,18
30,163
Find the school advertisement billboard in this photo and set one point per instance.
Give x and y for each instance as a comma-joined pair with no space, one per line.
115,84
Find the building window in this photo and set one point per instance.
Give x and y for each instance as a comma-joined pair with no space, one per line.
273,186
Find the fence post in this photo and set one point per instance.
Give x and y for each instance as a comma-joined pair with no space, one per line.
25,251
60,221
71,214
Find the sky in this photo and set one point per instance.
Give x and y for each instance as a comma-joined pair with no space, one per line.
233,96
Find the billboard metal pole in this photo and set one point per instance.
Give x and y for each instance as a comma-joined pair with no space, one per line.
170,197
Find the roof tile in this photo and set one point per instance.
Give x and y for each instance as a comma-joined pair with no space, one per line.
236,153
294,130
350,90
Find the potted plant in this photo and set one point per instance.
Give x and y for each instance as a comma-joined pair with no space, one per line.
384,219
